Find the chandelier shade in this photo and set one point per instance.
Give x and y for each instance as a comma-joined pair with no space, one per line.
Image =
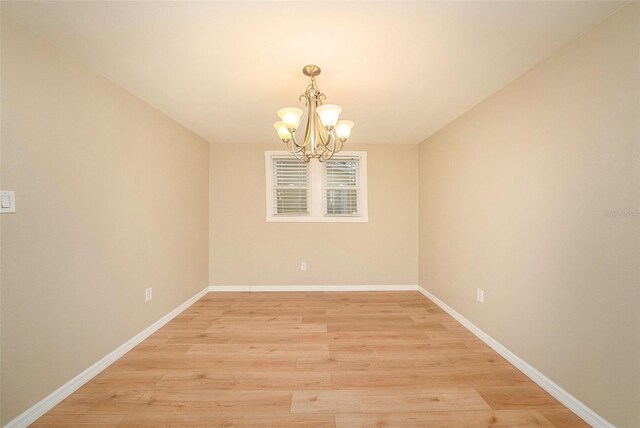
324,134
282,130
329,114
343,129
291,117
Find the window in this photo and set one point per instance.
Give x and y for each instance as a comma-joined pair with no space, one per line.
331,191
290,187
341,180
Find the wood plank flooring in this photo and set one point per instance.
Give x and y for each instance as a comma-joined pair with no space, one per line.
381,359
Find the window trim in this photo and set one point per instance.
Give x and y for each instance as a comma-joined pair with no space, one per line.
316,191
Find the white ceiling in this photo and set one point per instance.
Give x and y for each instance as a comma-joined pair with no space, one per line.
400,70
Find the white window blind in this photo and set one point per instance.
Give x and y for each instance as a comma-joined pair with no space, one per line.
332,191
290,187
342,187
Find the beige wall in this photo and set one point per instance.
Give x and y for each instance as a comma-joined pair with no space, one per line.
246,250
513,199
112,198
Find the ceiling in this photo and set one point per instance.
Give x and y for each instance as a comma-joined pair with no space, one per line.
400,70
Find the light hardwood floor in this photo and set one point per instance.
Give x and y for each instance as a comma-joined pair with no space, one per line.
381,359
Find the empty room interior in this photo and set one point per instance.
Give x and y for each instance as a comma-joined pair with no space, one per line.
320,214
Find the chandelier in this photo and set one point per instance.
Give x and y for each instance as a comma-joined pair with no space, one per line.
324,134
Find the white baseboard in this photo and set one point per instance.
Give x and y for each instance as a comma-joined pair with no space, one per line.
571,402
265,288
46,404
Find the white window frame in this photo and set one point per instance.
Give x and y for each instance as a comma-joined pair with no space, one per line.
316,191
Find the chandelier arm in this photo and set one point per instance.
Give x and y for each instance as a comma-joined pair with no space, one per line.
331,151
320,149
295,142
323,156
295,154
326,148
305,112
291,146
324,132
293,134
338,140
297,150
304,116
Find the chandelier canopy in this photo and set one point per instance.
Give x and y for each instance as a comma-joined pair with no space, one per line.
324,134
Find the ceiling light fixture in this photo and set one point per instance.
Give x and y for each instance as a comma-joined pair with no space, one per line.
324,134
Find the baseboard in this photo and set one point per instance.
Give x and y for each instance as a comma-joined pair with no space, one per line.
266,288
46,404
571,402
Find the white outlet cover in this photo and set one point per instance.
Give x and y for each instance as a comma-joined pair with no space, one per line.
148,294
303,266
480,295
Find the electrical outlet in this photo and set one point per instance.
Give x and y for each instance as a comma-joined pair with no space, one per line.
303,265
148,294
480,295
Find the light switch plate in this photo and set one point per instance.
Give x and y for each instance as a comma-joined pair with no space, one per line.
7,201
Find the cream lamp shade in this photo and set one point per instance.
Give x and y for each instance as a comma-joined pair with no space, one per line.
329,114
283,132
343,129
291,117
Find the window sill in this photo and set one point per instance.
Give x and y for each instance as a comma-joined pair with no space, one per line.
302,219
